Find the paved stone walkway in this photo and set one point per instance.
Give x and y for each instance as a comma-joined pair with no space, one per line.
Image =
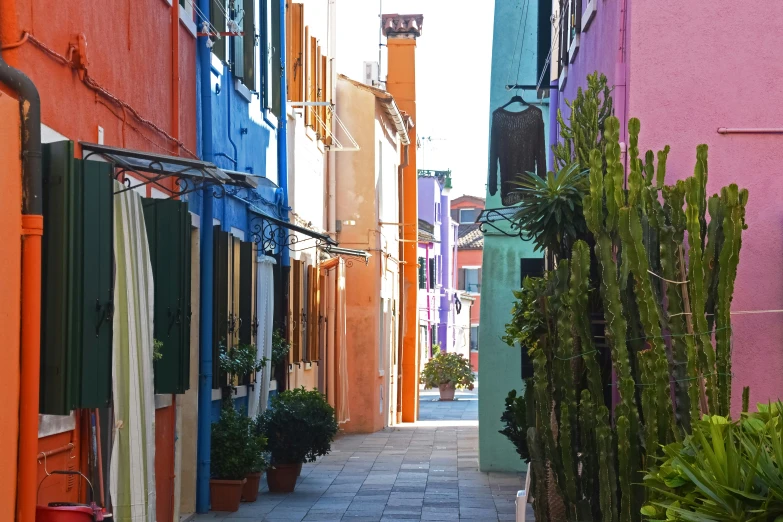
427,471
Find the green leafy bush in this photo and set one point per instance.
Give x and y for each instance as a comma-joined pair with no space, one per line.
724,471
448,367
516,418
229,446
256,449
299,426
240,360
280,347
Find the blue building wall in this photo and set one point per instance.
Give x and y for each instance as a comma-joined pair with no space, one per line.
513,62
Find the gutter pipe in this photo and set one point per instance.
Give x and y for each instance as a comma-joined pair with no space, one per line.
32,234
282,134
205,281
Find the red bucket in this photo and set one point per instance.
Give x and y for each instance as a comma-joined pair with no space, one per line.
66,511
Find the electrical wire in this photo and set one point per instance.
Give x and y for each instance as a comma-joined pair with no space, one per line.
523,27
555,33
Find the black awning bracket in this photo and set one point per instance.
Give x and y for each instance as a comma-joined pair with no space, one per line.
349,254
270,233
148,168
494,217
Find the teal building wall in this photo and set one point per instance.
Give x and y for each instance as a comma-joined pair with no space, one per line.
514,61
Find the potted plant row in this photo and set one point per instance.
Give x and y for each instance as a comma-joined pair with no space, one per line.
299,426
237,459
447,371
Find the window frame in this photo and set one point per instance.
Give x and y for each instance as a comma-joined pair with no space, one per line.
471,209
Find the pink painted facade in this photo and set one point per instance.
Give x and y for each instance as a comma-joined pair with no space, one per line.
691,68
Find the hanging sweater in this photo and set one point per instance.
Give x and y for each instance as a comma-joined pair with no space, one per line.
517,145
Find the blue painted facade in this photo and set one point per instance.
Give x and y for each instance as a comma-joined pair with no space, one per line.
514,62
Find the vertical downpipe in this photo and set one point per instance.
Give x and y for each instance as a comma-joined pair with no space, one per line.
282,131
32,235
205,281
554,101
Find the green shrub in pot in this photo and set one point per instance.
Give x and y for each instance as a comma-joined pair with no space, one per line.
447,371
299,426
229,458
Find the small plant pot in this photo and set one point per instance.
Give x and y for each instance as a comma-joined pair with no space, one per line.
281,478
299,470
250,489
225,495
446,391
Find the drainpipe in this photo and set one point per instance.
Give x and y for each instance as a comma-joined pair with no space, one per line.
205,280
554,101
32,232
282,134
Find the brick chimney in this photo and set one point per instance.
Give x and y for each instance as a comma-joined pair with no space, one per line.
401,32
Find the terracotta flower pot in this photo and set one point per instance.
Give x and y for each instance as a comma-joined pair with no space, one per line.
226,494
281,478
299,470
446,391
250,489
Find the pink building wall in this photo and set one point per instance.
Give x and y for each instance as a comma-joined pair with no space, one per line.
691,68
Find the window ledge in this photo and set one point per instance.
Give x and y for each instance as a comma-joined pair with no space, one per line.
186,19
243,91
589,14
216,63
560,84
574,49
270,118
217,394
162,401
308,366
49,425
241,391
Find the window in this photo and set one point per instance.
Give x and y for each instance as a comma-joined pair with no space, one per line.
571,12
431,282
437,213
470,279
531,267
455,214
468,215
422,273
474,346
379,181
271,56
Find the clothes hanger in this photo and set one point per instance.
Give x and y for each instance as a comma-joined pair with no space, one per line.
515,99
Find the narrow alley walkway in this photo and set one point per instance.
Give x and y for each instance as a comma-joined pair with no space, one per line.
426,471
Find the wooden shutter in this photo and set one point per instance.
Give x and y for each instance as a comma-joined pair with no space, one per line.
233,319
220,310
276,59
296,311
168,233
320,64
461,279
249,44
328,98
77,284
544,42
217,17
308,77
267,45
313,314
237,42
295,51
433,283
422,273
246,292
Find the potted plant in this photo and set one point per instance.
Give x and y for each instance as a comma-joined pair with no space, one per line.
447,371
229,461
239,361
300,426
255,456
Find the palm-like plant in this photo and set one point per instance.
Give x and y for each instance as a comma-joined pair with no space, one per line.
551,210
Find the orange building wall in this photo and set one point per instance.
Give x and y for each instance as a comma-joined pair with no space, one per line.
10,288
401,83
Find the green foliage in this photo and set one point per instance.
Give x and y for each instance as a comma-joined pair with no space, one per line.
660,299
280,347
723,471
447,367
551,211
256,449
229,454
299,426
515,419
240,361
157,350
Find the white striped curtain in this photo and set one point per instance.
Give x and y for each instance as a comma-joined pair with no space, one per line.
265,310
132,474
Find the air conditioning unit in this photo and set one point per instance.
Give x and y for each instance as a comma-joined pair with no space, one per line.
371,73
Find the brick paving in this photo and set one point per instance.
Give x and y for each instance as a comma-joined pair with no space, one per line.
427,471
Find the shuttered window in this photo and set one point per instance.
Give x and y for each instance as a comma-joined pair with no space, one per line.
422,273
77,282
217,17
314,314
220,299
244,47
296,311
168,233
295,51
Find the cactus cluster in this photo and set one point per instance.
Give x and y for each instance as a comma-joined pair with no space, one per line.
605,404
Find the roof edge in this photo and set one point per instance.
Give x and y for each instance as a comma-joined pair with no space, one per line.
389,104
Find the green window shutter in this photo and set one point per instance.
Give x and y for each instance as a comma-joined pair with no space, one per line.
246,292
217,17
276,70
422,273
249,43
168,234
267,46
237,43
220,310
77,282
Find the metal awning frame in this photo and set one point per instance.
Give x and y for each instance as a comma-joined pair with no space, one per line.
494,217
350,254
149,168
271,233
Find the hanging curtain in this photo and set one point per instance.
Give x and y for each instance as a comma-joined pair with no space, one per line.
132,473
341,349
265,308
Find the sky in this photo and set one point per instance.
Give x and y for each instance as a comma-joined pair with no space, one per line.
454,56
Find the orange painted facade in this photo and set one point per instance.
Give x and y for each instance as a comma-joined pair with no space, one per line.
401,83
127,68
